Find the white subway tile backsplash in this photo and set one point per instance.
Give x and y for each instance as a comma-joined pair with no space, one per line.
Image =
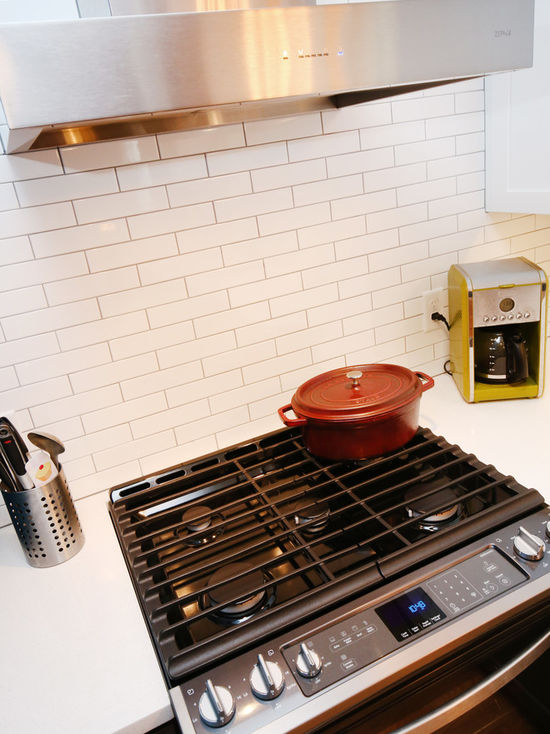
240,357
393,134
203,388
356,117
290,174
271,328
318,234
108,154
303,216
217,234
156,380
75,239
49,319
18,398
244,159
389,178
198,349
60,364
189,308
30,165
64,188
36,219
123,204
170,220
8,199
363,204
290,303
209,189
300,260
359,162
235,263
200,141
14,250
102,330
31,347
22,300
146,341
357,246
251,205
334,188
323,145
73,405
89,286
171,418
113,372
131,253
179,266
282,128
157,173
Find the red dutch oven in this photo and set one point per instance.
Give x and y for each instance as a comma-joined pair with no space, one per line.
358,412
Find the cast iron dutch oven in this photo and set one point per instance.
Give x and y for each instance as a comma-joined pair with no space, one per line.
358,412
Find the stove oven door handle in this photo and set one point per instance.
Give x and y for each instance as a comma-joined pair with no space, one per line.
469,699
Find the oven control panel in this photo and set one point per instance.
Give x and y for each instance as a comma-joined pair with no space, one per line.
289,680
364,638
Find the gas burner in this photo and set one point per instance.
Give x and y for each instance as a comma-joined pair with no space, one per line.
311,516
198,519
418,504
249,599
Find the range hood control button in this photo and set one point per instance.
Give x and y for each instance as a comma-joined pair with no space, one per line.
216,705
528,546
266,679
308,662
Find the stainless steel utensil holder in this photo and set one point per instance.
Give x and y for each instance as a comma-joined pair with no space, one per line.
46,522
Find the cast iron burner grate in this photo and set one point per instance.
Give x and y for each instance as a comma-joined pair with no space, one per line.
242,543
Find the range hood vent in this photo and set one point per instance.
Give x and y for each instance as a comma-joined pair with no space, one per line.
78,81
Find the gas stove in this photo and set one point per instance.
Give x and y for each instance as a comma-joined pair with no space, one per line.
270,579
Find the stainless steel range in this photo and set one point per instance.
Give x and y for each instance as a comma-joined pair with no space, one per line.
283,593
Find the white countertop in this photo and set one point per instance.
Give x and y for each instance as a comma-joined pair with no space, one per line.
75,654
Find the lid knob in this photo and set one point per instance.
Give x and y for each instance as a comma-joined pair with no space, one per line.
354,376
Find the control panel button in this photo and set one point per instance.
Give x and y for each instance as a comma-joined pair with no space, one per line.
216,705
266,679
308,663
519,315
528,546
485,318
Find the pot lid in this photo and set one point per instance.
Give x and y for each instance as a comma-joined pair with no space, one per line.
356,393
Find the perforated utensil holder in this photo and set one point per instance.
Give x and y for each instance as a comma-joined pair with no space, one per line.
46,522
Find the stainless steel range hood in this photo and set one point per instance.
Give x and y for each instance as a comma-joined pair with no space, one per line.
78,81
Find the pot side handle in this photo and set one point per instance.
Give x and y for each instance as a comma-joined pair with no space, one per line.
427,381
290,422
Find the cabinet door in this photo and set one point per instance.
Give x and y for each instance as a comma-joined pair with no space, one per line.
517,118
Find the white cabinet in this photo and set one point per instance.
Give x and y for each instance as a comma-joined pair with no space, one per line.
517,109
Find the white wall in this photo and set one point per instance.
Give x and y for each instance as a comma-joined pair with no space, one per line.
162,297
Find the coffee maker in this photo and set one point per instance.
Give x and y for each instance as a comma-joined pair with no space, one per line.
497,320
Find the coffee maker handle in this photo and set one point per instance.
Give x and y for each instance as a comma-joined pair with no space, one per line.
517,367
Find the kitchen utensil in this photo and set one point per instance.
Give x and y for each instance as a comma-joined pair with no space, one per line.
46,522
7,474
358,412
14,455
501,356
41,468
47,442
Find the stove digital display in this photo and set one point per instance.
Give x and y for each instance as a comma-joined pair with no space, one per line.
410,613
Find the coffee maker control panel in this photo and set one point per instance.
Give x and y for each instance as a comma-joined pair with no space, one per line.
506,305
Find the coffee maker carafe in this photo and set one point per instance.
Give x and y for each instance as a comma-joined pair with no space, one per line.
497,317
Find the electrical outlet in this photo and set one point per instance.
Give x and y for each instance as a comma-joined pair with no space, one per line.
432,302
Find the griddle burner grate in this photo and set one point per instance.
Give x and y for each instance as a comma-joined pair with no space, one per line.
354,531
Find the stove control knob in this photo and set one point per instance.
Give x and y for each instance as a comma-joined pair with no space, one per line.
528,546
216,705
308,662
548,529
266,679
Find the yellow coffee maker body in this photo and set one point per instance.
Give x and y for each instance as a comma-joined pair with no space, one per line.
497,319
